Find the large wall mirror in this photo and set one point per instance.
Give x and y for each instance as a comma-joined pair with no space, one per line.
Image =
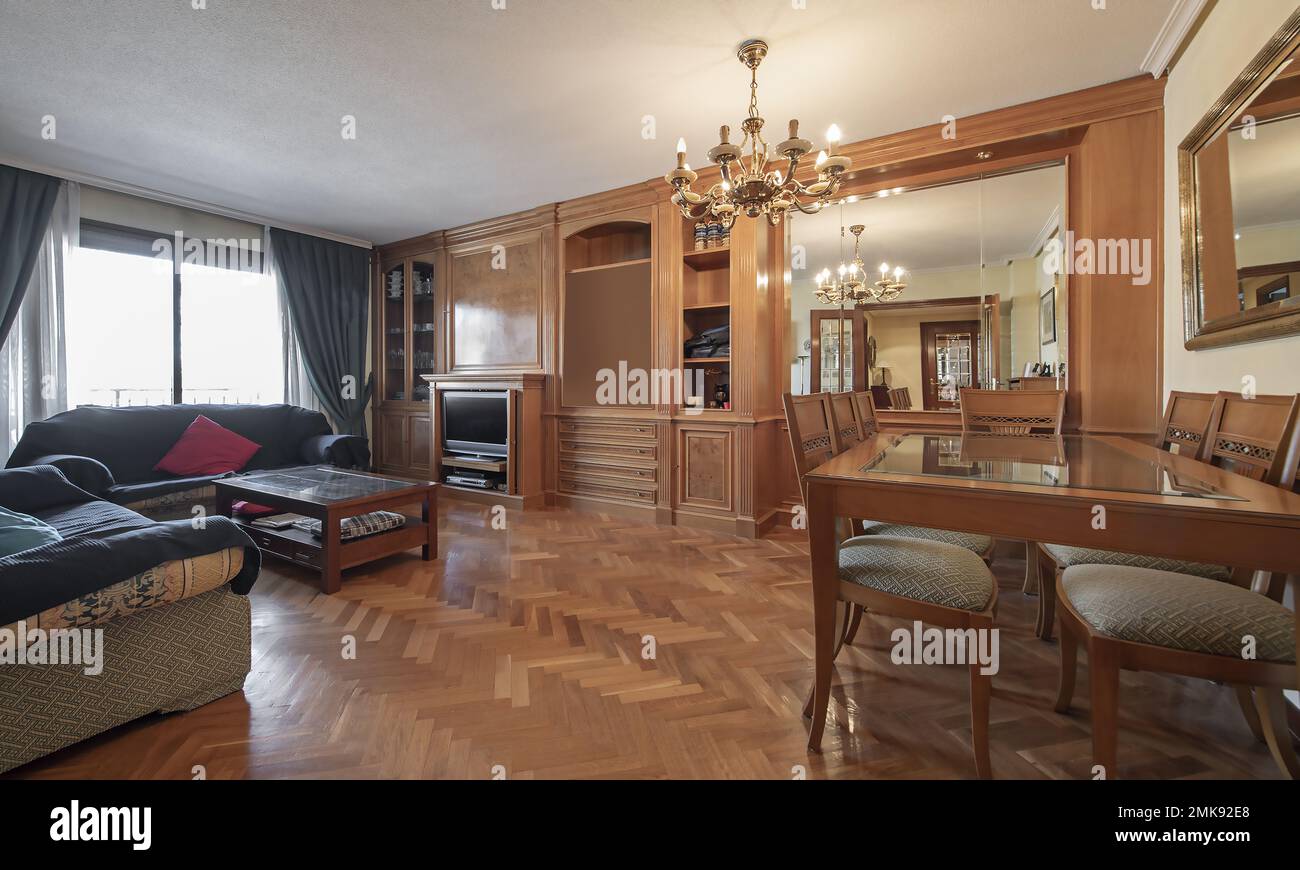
983,304
1239,183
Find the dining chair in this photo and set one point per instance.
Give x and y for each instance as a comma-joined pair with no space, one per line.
905,577
1245,436
1187,421
1136,618
864,407
847,419
900,399
1014,414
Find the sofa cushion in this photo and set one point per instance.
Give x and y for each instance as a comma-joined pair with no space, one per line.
1179,611
89,474
19,532
918,569
207,447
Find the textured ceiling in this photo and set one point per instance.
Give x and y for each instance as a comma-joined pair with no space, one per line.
464,111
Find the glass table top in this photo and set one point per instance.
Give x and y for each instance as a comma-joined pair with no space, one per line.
318,485
1067,461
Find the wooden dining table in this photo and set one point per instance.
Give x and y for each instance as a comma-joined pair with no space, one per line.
1097,491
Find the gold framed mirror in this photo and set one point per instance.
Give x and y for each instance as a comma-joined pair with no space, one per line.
1239,201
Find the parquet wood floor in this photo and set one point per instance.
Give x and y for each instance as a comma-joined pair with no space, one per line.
519,653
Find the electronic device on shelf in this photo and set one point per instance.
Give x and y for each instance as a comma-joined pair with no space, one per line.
475,479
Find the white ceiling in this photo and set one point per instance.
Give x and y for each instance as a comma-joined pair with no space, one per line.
940,227
464,111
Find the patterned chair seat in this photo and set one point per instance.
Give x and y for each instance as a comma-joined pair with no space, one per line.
919,569
1179,611
965,540
1068,557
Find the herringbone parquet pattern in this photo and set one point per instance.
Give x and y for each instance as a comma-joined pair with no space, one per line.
519,653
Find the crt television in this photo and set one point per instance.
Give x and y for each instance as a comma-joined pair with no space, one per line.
476,422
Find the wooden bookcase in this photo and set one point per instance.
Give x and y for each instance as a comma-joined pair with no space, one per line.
706,304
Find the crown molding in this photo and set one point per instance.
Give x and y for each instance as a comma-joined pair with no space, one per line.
1171,36
182,201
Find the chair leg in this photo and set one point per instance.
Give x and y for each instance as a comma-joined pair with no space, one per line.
1272,717
1246,701
1069,670
854,623
981,688
1103,675
1048,575
1031,568
842,618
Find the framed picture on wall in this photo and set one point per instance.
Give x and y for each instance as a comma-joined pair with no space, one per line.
1047,317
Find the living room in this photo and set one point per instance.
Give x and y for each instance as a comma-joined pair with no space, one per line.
515,390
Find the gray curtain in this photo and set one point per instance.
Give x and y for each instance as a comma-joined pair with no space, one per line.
26,200
327,287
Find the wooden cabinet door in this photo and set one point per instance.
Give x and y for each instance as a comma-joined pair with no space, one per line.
420,439
704,459
393,440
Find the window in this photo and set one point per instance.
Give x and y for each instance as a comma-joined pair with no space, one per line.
138,333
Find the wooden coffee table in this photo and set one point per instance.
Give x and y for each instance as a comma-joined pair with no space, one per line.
329,495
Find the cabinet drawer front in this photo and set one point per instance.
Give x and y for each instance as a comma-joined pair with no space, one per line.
584,467
634,431
570,448
601,488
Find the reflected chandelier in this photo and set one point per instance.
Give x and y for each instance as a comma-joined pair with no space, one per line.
754,189
849,282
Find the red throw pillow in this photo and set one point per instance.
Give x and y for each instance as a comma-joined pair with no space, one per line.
207,447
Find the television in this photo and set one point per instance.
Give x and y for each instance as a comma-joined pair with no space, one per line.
476,423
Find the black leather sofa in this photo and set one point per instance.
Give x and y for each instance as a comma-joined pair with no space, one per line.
111,452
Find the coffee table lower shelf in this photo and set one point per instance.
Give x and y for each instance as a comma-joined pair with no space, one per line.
303,548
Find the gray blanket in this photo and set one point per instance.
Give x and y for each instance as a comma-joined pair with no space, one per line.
103,544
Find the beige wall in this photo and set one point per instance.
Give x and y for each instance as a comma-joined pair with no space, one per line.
1231,35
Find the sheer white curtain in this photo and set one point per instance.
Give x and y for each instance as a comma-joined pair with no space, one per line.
297,389
33,360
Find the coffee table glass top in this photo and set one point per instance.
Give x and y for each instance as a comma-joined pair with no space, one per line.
317,484
1067,461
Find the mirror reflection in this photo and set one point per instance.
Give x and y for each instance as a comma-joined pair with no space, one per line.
920,292
1248,201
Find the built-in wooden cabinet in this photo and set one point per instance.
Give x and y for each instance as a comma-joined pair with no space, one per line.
407,344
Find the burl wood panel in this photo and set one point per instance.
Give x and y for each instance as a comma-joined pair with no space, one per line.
706,468
607,320
496,312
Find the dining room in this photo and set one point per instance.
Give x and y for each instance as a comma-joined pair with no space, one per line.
1001,361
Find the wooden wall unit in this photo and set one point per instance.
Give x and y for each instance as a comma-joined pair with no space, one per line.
729,469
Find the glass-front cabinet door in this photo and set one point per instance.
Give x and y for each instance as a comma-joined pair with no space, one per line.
954,360
393,324
424,327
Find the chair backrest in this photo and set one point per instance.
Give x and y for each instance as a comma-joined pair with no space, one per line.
865,406
1012,412
1187,420
813,436
900,399
845,414
1253,437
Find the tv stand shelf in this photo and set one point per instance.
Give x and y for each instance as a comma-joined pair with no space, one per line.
497,465
522,466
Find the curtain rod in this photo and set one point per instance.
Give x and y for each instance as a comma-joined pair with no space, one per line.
172,199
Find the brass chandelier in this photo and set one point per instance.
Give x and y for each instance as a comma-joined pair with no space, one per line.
849,282
754,189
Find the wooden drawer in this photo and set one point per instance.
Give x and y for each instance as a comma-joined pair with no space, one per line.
571,448
606,488
608,468
602,428
285,547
